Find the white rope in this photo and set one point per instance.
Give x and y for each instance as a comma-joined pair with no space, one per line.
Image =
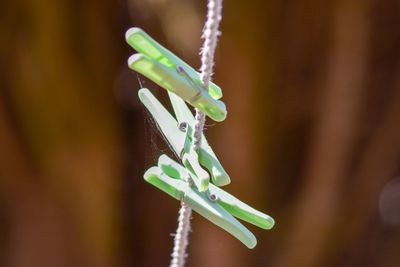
181,237
210,36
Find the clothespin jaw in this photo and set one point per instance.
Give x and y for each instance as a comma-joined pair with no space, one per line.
178,137
207,156
215,204
190,160
171,73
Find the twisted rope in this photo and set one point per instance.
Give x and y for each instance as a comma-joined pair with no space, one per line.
181,237
207,52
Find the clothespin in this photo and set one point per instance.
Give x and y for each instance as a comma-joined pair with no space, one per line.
214,204
173,74
178,134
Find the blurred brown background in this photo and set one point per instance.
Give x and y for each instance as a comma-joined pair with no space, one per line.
312,136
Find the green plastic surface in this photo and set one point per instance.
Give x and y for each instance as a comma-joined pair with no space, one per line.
207,156
236,207
146,45
191,162
177,138
190,183
172,178
160,65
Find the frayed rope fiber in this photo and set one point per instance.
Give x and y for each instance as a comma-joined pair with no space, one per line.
207,52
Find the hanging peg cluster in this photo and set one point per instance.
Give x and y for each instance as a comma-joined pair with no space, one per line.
197,182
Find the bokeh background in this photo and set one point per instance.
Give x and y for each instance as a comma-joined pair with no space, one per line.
312,136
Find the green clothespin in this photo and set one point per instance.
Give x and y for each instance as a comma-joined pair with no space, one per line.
178,134
214,204
171,73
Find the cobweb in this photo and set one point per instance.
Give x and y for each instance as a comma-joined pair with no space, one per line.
153,135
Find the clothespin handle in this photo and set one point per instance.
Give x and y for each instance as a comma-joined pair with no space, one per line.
207,156
171,178
178,81
145,44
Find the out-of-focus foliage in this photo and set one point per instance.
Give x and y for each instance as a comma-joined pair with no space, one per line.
312,136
